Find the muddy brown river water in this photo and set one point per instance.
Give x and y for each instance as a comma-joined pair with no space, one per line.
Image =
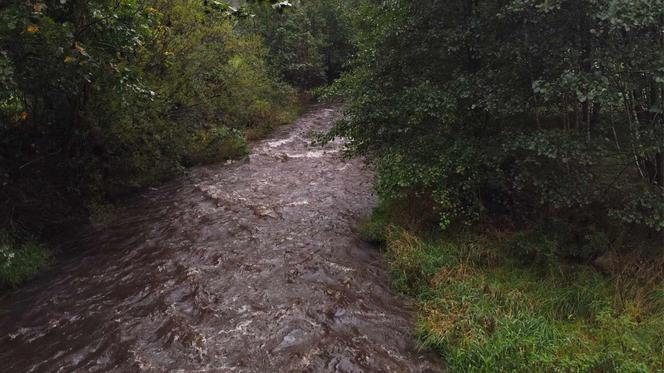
252,266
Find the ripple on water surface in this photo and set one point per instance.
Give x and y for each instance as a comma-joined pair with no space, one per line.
250,266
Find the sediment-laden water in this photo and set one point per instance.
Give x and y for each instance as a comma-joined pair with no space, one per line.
251,266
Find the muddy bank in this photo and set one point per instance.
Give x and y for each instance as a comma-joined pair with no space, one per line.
251,267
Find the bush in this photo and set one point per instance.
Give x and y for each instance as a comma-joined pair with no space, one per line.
523,112
534,248
19,260
216,145
99,98
413,212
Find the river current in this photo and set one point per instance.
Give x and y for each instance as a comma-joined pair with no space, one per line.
249,266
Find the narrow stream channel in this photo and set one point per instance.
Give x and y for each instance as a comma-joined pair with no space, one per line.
252,266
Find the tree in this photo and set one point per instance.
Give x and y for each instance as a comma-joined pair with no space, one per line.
531,110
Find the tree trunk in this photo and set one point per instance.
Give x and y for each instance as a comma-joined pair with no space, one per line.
659,169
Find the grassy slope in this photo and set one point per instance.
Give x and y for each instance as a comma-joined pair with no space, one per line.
485,310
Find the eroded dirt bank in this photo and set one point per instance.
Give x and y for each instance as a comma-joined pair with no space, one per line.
248,267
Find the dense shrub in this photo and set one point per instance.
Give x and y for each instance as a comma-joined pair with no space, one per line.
19,260
100,97
215,145
524,111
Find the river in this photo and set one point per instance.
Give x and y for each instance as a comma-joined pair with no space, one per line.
249,266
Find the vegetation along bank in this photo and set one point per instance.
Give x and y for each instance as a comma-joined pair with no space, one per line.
101,98
520,144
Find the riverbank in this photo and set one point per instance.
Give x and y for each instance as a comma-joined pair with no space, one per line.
23,257
483,307
252,266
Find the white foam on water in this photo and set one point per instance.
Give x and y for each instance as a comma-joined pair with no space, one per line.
312,154
278,143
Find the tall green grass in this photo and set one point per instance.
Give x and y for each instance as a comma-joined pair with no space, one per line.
486,310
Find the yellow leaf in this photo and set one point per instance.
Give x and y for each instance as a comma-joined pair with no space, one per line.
80,49
32,29
69,59
23,116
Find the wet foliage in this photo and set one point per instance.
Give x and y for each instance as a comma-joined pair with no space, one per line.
101,98
519,148
537,125
19,259
309,41
516,113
